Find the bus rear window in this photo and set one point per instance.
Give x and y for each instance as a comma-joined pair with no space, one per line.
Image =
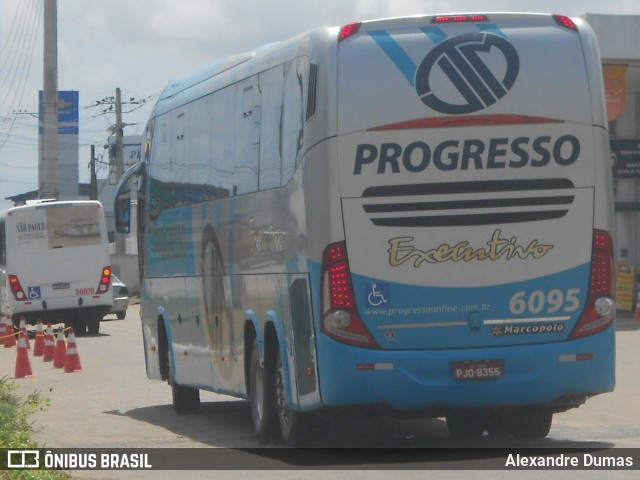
72,227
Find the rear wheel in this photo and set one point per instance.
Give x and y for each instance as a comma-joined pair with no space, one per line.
533,425
465,426
79,326
293,424
93,325
261,396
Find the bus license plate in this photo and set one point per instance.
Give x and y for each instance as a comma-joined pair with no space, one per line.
478,370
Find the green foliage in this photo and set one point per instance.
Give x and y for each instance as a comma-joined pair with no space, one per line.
16,430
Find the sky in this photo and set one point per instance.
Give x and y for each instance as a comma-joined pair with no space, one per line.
140,45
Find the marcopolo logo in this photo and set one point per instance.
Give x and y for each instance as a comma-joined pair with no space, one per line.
482,67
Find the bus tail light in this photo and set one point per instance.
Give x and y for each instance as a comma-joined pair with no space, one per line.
348,30
599,311
16,288
340,318
459,18
566,22
105,280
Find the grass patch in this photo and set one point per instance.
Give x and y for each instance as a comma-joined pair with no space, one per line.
16,430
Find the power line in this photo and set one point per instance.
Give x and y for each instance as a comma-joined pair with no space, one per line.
23,36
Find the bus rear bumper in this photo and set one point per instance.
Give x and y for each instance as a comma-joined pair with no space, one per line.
60,312
558,375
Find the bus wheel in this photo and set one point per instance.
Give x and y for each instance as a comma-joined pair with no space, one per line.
261,396
93,325
79,326
465,427
185,399
498,426
531,425
292,424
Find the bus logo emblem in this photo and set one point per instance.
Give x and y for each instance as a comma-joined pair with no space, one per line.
461,60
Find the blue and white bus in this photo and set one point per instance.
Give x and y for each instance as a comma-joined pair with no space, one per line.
413,214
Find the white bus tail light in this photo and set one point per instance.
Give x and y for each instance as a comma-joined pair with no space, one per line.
340,319
16,288
105,280
599,311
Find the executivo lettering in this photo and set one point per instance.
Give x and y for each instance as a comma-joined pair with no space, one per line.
402,250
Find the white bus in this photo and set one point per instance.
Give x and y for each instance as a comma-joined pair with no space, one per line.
412,214
55,264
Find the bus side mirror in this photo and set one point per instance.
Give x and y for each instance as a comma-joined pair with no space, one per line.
122,209
122,204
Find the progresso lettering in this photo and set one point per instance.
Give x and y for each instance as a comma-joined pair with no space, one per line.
468,154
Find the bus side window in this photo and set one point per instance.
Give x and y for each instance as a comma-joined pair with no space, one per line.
271,133
248,136
292,119
221,175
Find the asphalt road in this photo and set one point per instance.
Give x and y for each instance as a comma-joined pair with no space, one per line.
111,404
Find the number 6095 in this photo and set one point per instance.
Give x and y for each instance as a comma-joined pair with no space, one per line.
549,302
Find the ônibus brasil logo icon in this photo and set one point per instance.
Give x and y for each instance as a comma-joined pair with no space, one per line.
460,60
461,74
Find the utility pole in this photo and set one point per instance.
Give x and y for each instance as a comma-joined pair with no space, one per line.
48,167
93,185
119,127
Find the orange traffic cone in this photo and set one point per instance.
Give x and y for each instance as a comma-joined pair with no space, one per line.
23,328
10,336
38,344
72,360
49,345
61,350
4,332
23,366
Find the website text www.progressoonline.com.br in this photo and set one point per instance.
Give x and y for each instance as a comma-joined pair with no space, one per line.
426,310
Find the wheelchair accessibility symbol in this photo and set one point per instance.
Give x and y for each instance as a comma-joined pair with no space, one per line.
33,293
378,294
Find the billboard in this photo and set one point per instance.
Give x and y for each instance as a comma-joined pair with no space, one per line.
68,142
625,155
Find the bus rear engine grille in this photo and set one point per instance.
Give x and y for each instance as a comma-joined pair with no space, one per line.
469,203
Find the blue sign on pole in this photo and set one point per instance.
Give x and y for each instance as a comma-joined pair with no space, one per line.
68,112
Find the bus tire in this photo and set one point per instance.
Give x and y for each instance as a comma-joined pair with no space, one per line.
465,426
186,400
93,326
531,425
261,396
79,326
293,424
